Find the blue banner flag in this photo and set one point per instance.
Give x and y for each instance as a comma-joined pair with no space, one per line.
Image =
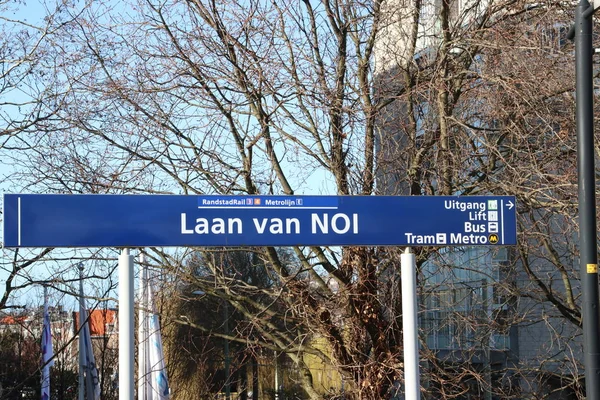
47,350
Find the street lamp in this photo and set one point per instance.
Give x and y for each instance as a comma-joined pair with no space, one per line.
588,258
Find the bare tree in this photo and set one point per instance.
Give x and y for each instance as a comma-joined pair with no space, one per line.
489,109
28,98
259,97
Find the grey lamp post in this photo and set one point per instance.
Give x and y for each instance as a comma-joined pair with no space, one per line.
588,259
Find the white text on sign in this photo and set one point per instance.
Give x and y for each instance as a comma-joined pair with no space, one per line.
325,223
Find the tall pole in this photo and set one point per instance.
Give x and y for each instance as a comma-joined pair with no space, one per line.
587,197
143,339
81,393
126,326
408,272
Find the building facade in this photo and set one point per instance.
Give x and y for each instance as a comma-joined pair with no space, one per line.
482,313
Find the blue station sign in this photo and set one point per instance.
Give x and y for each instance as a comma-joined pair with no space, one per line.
32,220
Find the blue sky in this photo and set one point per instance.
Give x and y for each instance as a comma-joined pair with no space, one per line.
26,15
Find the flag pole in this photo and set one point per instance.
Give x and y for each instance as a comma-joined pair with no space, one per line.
142,333
81,338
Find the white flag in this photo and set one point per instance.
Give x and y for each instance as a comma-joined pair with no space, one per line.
47,351
153,383
92,382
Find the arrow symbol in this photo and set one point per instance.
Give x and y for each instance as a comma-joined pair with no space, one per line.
510,205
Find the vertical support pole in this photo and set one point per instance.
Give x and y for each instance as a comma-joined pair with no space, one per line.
412,384
126,327
587,196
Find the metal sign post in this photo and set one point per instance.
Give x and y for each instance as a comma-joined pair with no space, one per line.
410,327
126,326
231,221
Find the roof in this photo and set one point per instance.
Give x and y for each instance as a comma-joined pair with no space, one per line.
12,319
98,321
